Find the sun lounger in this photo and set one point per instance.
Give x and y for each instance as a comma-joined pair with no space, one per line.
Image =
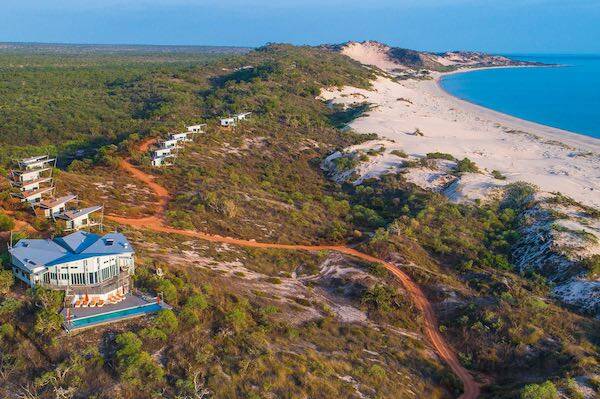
100,303
93,303
77,303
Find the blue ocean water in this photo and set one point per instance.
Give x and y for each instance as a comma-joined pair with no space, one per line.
566,97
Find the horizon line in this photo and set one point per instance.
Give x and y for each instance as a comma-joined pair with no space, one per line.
233,46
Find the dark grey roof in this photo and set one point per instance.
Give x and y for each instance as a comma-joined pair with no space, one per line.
74,214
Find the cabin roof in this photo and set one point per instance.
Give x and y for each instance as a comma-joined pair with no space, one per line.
53,202
70,215
31,193
36,253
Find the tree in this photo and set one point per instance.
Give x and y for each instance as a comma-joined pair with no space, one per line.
168,290
547,390
6,222
135,366
6,281
166,321
47,322
47,299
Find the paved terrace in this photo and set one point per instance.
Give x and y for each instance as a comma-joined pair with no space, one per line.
129,302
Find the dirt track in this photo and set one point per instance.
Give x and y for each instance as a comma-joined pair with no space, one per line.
157,223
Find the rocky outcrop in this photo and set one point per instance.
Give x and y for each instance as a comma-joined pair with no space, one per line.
555,240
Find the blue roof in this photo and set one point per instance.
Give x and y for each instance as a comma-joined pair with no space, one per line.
34,253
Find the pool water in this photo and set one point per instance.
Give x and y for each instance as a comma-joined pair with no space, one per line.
113,316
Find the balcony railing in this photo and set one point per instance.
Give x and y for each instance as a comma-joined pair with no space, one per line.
104,287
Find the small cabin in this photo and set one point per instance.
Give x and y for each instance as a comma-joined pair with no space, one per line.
162,160
36,195
242,116
161,152
183,136
54,206
80,218
227,122
196,128
36,162
169,143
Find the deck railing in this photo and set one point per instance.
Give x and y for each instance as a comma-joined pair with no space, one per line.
101,288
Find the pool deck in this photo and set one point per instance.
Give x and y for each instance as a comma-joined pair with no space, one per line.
130,301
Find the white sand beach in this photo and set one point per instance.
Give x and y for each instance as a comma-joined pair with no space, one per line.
552,159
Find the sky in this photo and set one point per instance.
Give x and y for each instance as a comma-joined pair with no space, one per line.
500,26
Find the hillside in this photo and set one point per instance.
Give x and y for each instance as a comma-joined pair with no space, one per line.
297,317
395,59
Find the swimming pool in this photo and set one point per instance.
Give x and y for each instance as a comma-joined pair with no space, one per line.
87,321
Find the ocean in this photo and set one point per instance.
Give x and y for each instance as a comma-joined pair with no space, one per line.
566,97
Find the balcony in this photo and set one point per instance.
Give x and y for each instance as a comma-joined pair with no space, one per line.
104,287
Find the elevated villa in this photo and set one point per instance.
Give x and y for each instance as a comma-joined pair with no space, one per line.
196,128
52,207
32,179
92,269
33,184
77,219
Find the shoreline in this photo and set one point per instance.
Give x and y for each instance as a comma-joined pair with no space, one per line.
552,159
573,139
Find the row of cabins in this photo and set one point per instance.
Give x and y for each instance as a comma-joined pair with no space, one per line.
168,149
33,183
233,120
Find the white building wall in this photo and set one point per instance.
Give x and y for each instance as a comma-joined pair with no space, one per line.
89,271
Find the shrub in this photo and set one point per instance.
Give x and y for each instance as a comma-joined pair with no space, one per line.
592,266
517,195
197,301
344,163
498,175
237,318
547,390
440,155
399,153
380,297
6,281
465,165
377,372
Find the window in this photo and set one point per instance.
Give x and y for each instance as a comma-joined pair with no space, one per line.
78,278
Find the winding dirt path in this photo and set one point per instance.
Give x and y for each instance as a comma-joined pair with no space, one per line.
157,223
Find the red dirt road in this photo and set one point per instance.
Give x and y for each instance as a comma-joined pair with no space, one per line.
157,223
